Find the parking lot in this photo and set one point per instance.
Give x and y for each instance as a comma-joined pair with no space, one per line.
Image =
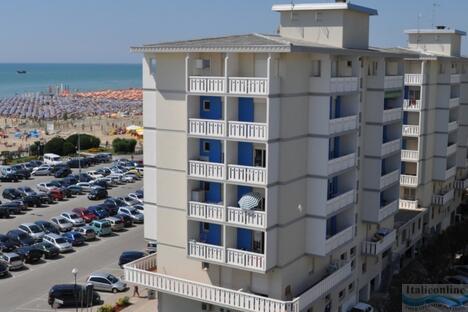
34,281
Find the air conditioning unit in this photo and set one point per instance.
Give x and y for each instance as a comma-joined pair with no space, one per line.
202,64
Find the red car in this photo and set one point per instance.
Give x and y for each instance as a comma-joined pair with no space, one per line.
56,194
85,214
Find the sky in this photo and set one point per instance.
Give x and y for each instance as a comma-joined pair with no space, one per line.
101,31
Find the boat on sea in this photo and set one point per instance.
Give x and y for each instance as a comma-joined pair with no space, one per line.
21,71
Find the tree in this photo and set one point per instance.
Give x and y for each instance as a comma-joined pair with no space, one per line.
36,149
59,146
87,141
124,146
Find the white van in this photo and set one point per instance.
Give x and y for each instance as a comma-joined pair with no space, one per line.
52,159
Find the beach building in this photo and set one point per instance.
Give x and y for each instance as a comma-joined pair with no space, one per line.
274,183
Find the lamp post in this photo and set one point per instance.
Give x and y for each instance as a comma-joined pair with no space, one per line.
75,272
79,156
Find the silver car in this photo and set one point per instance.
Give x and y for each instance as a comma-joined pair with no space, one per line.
116,223
133,213
12,260
33,230
88,232
106,282
58,241
73,218
62,224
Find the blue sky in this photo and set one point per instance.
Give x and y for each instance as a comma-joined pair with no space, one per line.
103,30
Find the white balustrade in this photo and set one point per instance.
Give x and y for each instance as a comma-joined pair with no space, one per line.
206,127
248,86
247,174
252,218
412,105
341,163
409,180
206,252
410,130
409,155
408,204
245,259
393,82
210,212
248,130
199,84
339,125
414,79
204,169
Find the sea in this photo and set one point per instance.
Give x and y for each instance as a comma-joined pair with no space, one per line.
77,77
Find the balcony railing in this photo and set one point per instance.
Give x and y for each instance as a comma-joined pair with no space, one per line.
449,173
245,259
414,79
389,179
204,169
409,180
143,272
341,163
391,147
408,204
247,174
388,210
412,105
461,184
339,239
205,211
198,84
452,126
206,127
393,114
455,78
376,248
442,200
344,84
251,218
344,124
452,148
205,252
409,155
454,102
248,130
340,201
410,130
393,82
248,86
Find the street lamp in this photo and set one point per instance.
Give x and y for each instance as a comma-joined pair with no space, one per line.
75,272
79,156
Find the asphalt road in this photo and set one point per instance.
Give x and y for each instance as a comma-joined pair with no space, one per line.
26,290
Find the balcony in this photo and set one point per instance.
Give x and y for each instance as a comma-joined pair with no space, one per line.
206,127
340,125
414,79
410,130
246,259
390,147
388,210
393,82
341,201
251,218
409,155
205,211
334,85
143,272
373,248
393,114
450,173
247,174
454,102
441,200
452,148
389,179
341,163
248,130
232,85
408,204
412,105
339,239
408,180
452,126
461,184
205,252
207,170
455,78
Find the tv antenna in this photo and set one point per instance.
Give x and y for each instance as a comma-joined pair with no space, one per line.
419,28
435,5
292,9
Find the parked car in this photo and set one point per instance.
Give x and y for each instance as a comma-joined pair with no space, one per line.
47,227
137,197
4,271
106,282
97,193
77,163
362,307
59,167
12,260
46,186
116,223
85,186
99,210
131,201
74,238
85,214
62,224
21,172
101,227
4,212
62,172
14,207
103,157
50,251
88,232
94,175
35,163
133,213
151,247
6,244
58,184
29,254
99,183
56,195
8,177
44,197
129,256
103,171
33,230
84,177
72,295
115,202
126,220
141,208
28,200
70,180
74,189
42,170
58,241
73,218
19,238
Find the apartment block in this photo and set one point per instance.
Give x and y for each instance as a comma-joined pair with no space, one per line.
272,165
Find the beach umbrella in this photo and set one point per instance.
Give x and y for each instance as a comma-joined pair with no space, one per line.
250,200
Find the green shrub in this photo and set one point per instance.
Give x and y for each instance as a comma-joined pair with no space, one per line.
124,301
105,308
124,146
87,141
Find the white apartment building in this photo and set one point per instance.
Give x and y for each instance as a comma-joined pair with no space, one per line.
272,165
434,150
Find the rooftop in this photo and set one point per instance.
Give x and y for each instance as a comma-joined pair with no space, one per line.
403,216
436,31
323,7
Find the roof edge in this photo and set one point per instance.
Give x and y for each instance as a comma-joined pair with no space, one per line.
323,7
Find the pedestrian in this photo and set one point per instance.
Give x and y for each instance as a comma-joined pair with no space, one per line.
136,291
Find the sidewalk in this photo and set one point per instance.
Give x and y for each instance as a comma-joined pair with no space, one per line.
142,305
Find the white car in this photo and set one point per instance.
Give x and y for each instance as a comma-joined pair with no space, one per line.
141,208
93,174
33,230
133,213
42,170
85,186
136,198
58,241
62,224
46,187
128,178
73,218
130,201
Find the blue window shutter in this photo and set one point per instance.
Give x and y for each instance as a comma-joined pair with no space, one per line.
338,107
406,93
246,109
245,154
216,108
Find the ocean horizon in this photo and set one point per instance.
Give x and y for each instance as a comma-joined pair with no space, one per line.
77,76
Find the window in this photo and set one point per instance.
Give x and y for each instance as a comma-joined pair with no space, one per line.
373,68
260,158
419,224
206,105
351,286
441,68
206,227
432,213
206,147
341,294
352,251
153,66
316,68
205,266
364,267
349,63
343,256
